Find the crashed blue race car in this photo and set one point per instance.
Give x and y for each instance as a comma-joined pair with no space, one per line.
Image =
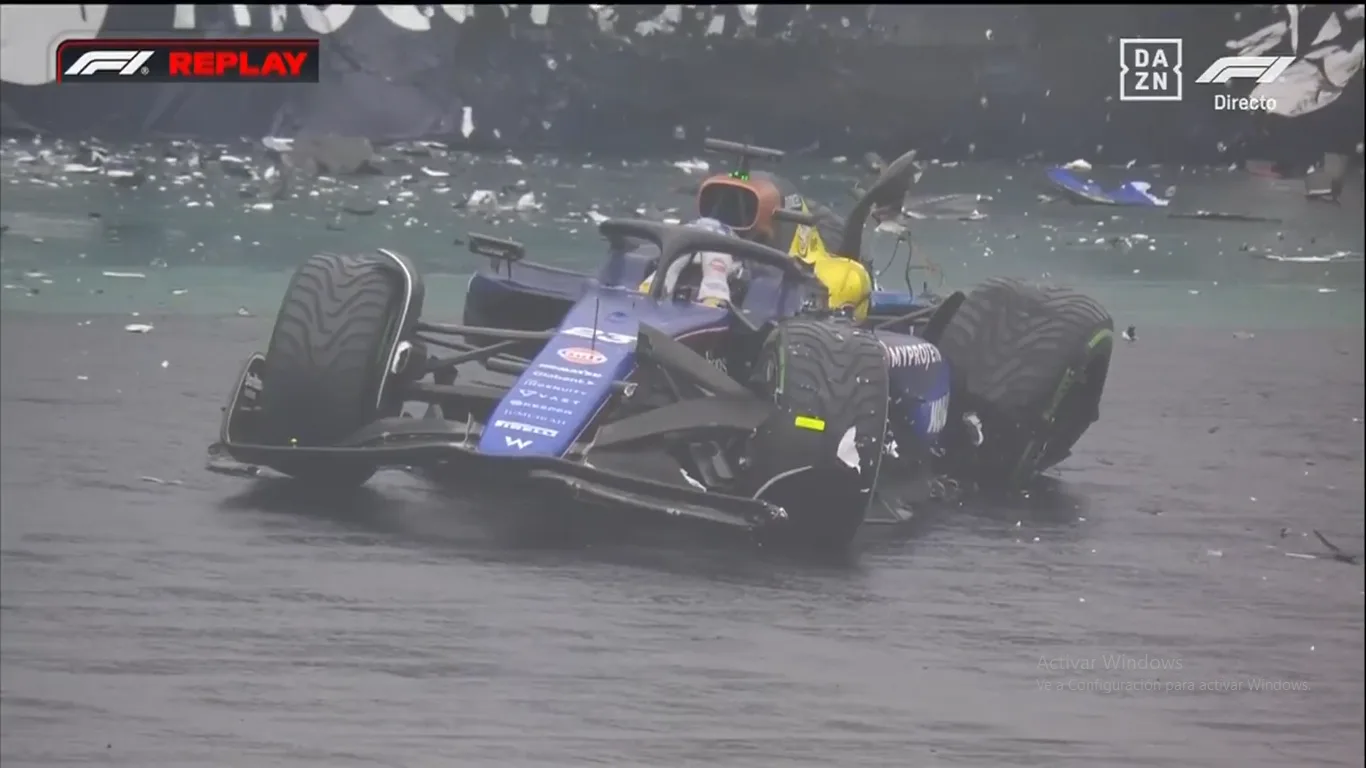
744,369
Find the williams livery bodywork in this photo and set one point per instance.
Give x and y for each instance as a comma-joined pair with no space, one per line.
806,403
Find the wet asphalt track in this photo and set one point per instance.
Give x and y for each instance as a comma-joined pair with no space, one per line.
207,623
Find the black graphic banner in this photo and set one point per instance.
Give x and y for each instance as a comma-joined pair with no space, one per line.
956,82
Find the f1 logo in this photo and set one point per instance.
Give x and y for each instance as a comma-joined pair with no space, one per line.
1150,69
123,62
520,443
1264,68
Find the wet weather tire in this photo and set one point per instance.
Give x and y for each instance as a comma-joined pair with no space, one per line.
328,358
1030,362
818,457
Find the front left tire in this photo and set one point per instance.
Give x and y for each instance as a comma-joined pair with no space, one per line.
329,357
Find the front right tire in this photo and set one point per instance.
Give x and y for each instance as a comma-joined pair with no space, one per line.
819,456
1030,362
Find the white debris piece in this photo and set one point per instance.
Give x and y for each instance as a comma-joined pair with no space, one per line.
278,143
847,450
692,166
467,121
528,202
482,198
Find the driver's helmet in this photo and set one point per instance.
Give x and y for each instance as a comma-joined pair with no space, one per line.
711,225
705,259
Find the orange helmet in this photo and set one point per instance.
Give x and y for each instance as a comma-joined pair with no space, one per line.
742,202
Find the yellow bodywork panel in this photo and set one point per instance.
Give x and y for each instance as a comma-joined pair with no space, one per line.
847,280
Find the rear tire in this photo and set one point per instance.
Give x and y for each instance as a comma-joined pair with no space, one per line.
329,356
1031,363
829,380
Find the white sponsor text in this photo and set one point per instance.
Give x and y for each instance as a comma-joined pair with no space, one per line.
552,398
922,355
538,384
607,337
939,415
517,426
575,371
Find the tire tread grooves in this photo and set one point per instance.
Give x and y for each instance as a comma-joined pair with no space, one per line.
322,368
838,374
1010,344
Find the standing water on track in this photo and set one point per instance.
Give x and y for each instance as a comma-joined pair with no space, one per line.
1161,601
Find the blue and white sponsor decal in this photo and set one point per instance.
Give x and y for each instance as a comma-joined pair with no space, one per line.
542,406
574,376
606,337
552,386
557,382
546,397
921,355
920,386
553,399
528,416
544,414
562,389
549,369
934,415
517,426
580,356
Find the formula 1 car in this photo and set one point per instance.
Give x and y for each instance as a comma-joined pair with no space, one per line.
808,403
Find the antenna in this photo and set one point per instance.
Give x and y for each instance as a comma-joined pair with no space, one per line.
741,171
746,153
593,342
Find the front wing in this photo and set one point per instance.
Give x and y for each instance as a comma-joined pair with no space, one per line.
618,468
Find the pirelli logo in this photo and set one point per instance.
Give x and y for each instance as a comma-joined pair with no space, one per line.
173,61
